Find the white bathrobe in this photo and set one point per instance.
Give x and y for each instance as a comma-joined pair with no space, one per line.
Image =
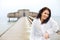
39,29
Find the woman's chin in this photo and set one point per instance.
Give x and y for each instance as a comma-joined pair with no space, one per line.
44,19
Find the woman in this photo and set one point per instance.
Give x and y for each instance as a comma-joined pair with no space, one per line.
43,27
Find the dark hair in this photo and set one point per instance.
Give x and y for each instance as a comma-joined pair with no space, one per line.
41,11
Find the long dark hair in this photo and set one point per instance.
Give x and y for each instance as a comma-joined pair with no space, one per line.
40,13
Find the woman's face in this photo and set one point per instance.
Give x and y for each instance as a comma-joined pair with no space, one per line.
45,14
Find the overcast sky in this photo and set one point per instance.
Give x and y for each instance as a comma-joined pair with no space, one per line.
7,6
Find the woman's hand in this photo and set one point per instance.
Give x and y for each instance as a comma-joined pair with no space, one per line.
46,35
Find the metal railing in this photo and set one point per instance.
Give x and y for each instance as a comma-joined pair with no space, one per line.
30,19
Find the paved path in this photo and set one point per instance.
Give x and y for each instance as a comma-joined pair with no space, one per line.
18,31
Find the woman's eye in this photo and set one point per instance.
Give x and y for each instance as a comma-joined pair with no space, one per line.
45,13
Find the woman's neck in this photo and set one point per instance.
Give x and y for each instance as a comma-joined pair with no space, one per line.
41,20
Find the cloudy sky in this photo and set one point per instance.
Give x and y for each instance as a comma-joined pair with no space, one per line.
7,6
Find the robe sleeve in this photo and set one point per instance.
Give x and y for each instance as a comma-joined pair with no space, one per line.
54,27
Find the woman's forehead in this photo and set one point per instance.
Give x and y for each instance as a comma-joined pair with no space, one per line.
46,11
